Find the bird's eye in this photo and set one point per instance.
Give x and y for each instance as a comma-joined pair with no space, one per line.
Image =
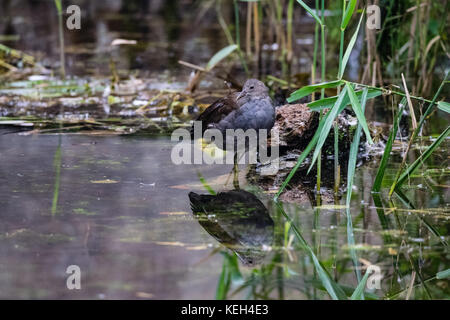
252,87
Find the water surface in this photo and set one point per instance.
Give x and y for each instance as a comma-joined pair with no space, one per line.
123,216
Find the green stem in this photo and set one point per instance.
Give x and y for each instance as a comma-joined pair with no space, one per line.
416,133
322,75
236,21
335,127
396,92
61,38
57,165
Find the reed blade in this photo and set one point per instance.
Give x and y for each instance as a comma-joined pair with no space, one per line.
307,90
359,110
328,123
422,158
333,289
310,11
349,49
348,14
387,150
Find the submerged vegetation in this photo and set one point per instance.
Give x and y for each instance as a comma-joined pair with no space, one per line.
319,53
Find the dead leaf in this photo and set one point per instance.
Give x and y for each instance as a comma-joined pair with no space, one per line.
118,42
107,181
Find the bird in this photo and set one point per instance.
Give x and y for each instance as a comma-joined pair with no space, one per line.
251,108
238,220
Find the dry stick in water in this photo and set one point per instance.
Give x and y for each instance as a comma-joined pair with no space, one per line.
411,109
411,285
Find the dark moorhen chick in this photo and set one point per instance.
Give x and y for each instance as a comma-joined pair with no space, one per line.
252,108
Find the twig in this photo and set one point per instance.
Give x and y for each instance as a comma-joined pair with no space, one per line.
411,109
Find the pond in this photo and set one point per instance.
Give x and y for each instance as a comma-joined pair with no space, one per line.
124,217
138,226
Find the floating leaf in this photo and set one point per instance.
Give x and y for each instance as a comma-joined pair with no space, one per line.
200,247
169,243
173,213
119,42
106,181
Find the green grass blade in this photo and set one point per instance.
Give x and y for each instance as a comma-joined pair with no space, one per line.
384,221
220,55
387,150
230,275
359,111
349,49
350,177
307,90
430,226
233,266
205,184
328,123
354,151
423,157
444,106
346,289
57,165
332,288
443,274
58,6
310,11
300,160
310,146
348,14
329,102
359,291
224,282
432,105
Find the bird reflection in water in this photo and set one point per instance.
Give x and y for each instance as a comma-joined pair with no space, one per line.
238,220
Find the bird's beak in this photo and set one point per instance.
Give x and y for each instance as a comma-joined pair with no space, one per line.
240,95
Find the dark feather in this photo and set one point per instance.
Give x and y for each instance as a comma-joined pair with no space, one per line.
217,111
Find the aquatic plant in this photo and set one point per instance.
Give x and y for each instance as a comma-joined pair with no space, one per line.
61,37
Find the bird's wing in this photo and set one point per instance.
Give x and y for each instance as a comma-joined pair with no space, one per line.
218,110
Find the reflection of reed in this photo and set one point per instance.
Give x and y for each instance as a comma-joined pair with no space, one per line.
57,165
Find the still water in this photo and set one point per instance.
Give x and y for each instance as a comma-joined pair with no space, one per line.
120,210
123,215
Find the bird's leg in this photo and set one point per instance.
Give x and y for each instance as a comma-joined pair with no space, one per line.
236,172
